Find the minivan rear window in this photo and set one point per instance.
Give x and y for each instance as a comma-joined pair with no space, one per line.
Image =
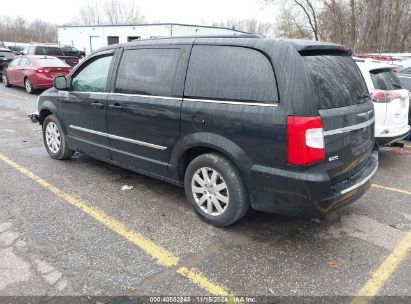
385,79
337,81
230,73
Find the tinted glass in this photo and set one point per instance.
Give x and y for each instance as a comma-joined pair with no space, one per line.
48,50
230,73
385,80
148,72
337,80
51,62
93,78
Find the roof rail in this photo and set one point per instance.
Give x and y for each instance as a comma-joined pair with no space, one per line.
202,36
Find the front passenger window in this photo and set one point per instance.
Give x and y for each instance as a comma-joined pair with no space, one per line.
93,78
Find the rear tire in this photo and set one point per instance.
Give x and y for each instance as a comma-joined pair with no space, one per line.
54,139
28,86
215,189
6,81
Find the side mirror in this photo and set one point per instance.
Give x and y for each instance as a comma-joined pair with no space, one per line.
60,83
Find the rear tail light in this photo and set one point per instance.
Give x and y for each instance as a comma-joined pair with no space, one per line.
384,96
43,71
305,140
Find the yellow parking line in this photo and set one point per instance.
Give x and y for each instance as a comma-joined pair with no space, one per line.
162,255
371,288
198,278
391,189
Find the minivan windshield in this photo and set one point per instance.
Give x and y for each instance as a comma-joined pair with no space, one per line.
385,79
337,81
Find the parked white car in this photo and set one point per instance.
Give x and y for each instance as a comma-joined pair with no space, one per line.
391,101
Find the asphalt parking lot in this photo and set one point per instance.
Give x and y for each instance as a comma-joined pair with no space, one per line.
68,228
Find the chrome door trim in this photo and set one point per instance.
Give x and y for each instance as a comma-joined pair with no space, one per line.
131,95
147,96
129,140
350,128
259,104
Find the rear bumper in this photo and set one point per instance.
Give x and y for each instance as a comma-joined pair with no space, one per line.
307,194
41,82
394,135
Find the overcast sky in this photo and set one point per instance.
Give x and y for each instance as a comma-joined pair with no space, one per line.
182,11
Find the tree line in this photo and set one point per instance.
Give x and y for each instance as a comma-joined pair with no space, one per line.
17,29
364,25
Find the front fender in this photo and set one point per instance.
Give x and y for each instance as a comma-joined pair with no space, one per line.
208,140
47,105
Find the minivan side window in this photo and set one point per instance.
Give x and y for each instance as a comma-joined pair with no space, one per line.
148,72
93,78
230,73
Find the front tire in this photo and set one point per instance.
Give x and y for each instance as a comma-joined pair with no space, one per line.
6,81
54,139
215,189
28,86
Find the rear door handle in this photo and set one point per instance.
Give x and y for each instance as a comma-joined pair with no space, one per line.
116,106
97,105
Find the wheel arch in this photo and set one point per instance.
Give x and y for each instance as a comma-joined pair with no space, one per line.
47,108
197,144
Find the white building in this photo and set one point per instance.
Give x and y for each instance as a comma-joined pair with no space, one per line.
90,38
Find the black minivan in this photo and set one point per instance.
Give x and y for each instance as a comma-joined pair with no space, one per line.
283,126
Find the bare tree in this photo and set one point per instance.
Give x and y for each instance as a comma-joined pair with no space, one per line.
289,27
353,32
96,12
334,21
252,26
302,13
366,25
20,30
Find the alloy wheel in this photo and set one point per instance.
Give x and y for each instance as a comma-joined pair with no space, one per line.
53,138
28,86
210,191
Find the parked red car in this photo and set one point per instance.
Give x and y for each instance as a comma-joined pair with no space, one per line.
34,72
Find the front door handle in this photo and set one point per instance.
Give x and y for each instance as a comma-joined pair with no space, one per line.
116,106
97,105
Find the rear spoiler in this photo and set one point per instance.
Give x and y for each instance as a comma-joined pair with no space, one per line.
312,48
336,51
